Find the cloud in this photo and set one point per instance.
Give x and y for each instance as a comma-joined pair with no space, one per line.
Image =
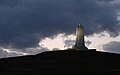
100,42
52,43
88,42
4,53
69,43
23,23
8,3
106,1
113,47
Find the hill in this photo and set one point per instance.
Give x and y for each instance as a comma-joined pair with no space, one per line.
62,61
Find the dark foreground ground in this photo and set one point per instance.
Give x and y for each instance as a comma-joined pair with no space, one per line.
61,61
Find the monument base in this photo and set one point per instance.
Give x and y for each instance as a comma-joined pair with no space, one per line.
82,50
79,47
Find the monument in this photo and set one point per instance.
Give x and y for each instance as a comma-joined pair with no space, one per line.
80,43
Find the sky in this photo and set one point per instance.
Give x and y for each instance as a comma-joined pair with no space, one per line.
29,27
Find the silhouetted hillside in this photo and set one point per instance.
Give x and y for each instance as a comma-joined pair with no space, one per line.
62,61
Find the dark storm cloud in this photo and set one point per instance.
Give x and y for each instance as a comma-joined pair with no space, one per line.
96,16
9,3
24,22
112,47
106,0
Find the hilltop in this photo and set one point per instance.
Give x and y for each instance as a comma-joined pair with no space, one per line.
62,61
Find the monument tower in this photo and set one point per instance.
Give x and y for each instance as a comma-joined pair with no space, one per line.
80,43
